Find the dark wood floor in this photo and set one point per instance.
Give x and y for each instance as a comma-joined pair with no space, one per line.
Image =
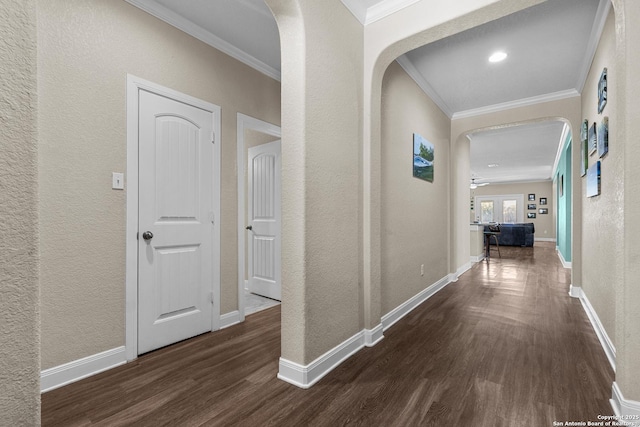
503,346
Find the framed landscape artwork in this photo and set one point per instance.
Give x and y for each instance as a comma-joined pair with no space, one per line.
543,211
593,180
584,154
602,91
603,137
593,139
531,206
423,157
531,214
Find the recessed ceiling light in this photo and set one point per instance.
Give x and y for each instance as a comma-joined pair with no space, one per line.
498,56
493,165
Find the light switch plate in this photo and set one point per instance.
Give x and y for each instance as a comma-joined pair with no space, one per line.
117,181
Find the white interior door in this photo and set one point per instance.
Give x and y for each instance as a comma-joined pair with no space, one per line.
264,220
175,221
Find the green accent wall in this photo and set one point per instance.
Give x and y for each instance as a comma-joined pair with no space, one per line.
563,182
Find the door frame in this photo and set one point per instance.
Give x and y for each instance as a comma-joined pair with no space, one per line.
134,85
246,122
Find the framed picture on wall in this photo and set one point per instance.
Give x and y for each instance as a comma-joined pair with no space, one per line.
602,91
603,137
593,180
423,158
584,146
543,211
593,139
532,197
531,206
543,200
531,214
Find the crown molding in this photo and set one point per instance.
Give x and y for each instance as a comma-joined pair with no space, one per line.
357,9
367,15
386,8
596,32
524,102
205,36
417,77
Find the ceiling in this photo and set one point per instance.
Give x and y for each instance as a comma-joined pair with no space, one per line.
550,48
515,154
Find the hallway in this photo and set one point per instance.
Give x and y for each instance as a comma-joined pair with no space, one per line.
505,345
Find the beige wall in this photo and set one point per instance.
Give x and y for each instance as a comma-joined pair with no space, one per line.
19,322
85,51
602,222
544,224
415,213
321,163
628,127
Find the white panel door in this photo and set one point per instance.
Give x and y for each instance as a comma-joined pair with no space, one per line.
175,277
264,220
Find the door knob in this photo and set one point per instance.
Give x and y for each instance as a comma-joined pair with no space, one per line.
248,227
147,235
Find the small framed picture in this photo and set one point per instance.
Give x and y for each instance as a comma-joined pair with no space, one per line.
584,147
532,197
602,91
593,139
543,211
531,214
543,200
603,137
531,206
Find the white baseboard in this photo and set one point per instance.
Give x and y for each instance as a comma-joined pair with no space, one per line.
461,270
606,343
304,376
575,291
405,308
229,319
68,373
623,407
373,336
477,258
565,264
544,239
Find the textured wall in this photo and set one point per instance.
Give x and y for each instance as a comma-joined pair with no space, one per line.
415,213
545,227
602,221
321,140
627,64
19,334
85,51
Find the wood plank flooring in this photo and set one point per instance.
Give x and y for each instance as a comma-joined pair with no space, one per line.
503,346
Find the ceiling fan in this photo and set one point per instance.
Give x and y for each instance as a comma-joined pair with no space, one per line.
473,184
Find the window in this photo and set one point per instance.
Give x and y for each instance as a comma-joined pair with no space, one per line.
505,208
486,211
509,210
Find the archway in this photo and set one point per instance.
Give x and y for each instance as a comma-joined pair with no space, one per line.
318,91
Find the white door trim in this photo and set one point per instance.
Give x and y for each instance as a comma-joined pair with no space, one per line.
134,85
246,122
